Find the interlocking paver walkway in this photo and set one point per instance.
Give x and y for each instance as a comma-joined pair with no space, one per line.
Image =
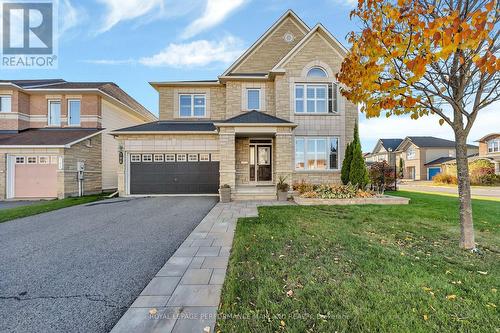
184,295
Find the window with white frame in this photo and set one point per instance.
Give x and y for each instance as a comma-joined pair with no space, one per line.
32,159
20,159
5,103
316,153
192,105
135,158
169,157
43,160
147,158
253,99
494,146
317,72
54,114
193,157
316,98
74,110
158,158
181,158
411,154
204,157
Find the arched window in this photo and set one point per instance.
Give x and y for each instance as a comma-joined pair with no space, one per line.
317,72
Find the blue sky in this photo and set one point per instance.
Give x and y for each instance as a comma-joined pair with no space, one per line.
133,42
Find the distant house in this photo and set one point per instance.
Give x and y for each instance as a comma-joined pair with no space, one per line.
423,156
489,148
385,150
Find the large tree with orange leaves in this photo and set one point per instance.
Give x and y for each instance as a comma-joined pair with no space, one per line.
421,57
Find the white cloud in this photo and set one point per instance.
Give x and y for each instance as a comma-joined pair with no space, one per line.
399,127
119,10
71,16
215,12
196,53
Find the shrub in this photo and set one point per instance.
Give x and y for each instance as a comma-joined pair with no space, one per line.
310,194
381,176
346,165
334,191
444,178
303,187
489,179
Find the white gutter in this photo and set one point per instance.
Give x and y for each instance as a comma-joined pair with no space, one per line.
161,132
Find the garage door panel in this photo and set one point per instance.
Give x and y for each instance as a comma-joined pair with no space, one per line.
174,178
35,181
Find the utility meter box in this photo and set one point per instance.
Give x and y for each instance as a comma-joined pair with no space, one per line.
80,167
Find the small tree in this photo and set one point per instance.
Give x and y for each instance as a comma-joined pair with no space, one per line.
401,168
346,165
358,174
381,176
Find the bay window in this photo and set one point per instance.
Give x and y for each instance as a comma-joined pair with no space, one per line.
316,153
192,105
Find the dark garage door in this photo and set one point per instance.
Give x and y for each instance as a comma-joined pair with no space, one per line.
150,177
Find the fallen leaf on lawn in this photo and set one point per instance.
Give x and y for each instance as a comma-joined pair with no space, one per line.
282,323
426,317
289,293
493,290
451,297
447,272
426,288
153,312
402,253
432,294
482,273
491,305
281,256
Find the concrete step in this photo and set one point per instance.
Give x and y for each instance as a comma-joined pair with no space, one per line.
248,192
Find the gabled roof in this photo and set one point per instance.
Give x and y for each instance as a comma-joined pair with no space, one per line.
109,89
52,137
390,143
486,137
170,126
440,160
288,13
430,142
318,28
255,117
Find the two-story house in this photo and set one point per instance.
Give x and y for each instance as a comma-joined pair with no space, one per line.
423,155
276,111
489,148
384,150
53,136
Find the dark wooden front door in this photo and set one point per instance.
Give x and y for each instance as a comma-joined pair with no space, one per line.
261,169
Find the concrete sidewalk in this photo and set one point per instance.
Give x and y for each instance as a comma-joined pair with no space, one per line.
184,295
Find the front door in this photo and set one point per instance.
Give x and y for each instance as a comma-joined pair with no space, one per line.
260,163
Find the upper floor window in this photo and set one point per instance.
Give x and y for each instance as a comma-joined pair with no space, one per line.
54,116
5,103
317,72
316,98
494,146
192,105
411,154
253,99
74,109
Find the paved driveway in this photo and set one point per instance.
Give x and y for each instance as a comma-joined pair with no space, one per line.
79,268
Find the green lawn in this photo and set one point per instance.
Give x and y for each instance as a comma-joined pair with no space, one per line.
46,206
363,269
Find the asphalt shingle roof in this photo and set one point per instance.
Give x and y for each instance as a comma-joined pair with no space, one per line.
172,126
391,143
433,142
256,117
46,136
440,160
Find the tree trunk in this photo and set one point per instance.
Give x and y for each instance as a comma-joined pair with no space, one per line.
464,193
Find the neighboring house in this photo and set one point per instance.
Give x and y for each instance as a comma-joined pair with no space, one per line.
489,148
424,155
49,128
385,150
277,111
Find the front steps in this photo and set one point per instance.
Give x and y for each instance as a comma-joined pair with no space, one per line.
252,192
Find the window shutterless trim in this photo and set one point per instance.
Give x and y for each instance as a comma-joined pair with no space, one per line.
147,158
193,158
169,158
33,158
184,159
49,112
259,90
10,103
135,158
69,112
328,153
192,115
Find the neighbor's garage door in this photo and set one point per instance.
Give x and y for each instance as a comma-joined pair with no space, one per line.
35,177
173,174
432,172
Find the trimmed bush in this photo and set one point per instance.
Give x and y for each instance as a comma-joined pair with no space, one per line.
444,178
346,165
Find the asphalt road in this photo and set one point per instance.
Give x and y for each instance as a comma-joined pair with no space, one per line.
426,186
79,268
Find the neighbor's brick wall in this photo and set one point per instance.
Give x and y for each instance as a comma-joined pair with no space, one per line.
272,50
91,156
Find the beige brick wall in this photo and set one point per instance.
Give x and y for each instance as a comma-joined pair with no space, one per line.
272,49
242,160
215,101
91,156
317,177
227,143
